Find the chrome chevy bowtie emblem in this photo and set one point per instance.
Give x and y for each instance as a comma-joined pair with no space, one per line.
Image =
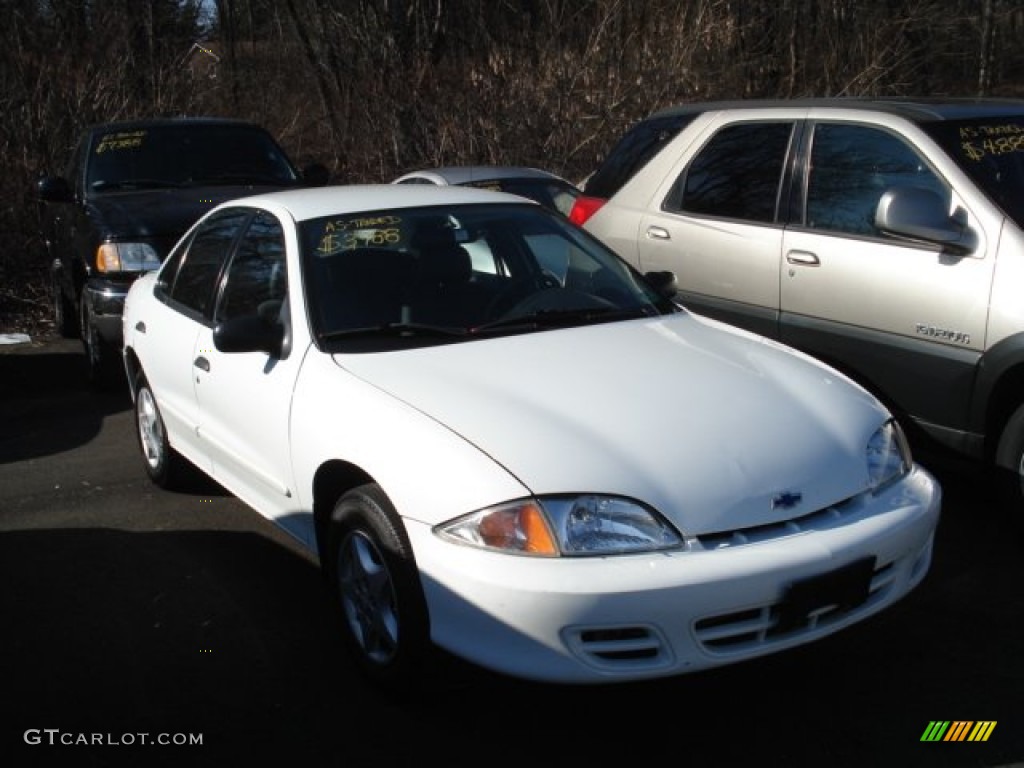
787,500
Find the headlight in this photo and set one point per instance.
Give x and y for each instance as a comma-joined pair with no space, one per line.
888,455
126,257
555,526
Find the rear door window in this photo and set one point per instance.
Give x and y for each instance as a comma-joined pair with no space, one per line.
737,174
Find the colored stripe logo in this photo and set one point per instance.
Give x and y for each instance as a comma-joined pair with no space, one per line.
958,730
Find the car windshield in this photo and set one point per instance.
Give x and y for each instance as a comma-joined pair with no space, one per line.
991,152
186,155
438,275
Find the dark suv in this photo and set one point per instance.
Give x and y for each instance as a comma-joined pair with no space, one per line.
129,191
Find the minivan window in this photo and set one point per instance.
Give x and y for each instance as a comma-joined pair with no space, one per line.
991,152
642,142
737,174
851,167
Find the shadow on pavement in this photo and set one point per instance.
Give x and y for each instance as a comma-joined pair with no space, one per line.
46,404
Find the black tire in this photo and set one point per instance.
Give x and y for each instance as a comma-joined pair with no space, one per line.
165,466
103,363
1010,467
64,315
373,578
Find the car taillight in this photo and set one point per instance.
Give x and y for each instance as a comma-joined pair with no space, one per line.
584,208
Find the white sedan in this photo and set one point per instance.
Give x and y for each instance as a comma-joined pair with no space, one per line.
500,440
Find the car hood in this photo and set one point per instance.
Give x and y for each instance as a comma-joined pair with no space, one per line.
708,424
159,213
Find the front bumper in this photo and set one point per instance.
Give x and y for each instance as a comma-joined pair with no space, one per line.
103,300
612,619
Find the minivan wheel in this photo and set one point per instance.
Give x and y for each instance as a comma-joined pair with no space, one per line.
1010,467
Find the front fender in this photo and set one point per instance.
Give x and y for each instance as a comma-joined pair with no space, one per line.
998,390
429,472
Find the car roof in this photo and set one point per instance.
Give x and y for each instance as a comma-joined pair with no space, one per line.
463,174
916,109
157,122
313,203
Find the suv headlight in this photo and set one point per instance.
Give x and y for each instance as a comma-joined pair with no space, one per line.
126,257
573,526
888,456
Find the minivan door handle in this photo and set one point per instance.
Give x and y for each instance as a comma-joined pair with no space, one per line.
806,258
202,364
658,233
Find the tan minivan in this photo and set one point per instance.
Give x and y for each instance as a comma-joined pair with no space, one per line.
885,237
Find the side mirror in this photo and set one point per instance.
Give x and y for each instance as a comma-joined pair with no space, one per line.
54,189
920,214
315,175
250,333
664,283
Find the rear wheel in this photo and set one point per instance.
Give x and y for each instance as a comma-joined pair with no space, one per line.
164,465
373,577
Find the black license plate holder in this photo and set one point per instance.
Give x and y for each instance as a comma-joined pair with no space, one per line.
846,587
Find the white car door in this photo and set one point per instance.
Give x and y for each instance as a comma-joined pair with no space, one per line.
166,337
244,397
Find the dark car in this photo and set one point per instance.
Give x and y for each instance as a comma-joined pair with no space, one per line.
129,192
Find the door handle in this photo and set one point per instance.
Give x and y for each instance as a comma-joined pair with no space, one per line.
658,233
806,258
202,364
140,327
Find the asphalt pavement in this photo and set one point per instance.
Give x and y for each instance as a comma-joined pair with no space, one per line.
130,616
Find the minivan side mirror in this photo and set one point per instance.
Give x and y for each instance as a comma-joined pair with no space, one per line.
921,214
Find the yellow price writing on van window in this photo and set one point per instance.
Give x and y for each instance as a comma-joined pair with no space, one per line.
114,141
980,141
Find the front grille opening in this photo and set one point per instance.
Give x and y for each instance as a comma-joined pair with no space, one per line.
743,630
619,643
633,647
755,534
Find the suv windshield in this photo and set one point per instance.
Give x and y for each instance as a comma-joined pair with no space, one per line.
991,152
185,155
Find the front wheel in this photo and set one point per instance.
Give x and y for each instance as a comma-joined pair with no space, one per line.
1010,467
64,316
103,362
375,582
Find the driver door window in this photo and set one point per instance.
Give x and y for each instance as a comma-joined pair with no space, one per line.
851,167
256,281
